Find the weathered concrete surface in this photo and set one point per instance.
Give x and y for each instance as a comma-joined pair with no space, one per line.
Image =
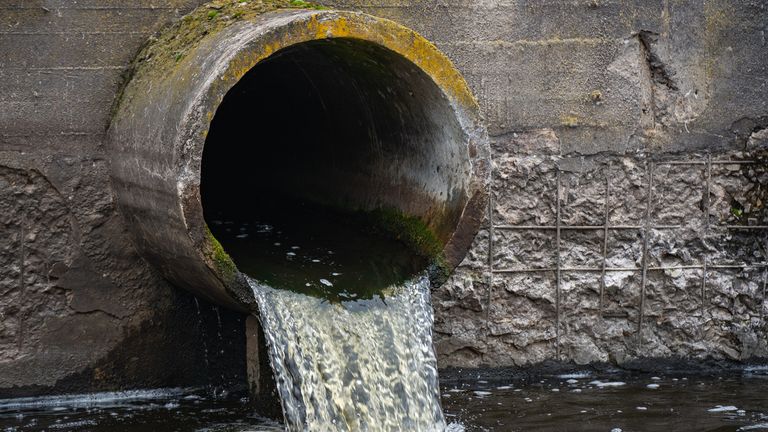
618,82
494,311
80,310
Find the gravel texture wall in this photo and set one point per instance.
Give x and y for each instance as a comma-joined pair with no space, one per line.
628,198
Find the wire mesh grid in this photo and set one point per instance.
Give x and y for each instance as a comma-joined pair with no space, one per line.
645,228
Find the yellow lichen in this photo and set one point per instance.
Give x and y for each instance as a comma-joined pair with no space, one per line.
570,120
173,46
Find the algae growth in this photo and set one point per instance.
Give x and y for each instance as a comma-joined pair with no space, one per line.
222,261
172,44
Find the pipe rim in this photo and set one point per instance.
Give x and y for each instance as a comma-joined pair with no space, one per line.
272,32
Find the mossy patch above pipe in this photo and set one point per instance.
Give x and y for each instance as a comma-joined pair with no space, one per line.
162,52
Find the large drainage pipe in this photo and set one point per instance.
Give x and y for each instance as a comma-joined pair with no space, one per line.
363,112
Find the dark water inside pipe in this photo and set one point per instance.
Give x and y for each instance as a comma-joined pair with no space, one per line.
313,249
579,402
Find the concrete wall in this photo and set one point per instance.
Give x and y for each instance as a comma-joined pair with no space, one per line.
584,99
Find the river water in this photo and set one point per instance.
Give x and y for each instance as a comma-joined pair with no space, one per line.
576,402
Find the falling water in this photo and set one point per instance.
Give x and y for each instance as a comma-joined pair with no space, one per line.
366,365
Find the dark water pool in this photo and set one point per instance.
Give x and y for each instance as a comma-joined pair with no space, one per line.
571,402
586,402
315,250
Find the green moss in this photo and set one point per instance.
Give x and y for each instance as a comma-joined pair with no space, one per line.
168,48
570,121
222,261
306,5
410,230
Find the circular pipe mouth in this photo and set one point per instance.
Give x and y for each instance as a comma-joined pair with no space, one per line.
339,108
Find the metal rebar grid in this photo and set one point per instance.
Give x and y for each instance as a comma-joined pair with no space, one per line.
22,284
710,162
646,228
607,212
707,180
765,301
582,227
489,291
646,232
617,227
635,269
558,265
703,286
607,227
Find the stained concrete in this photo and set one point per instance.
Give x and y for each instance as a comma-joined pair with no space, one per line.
505,306
592,87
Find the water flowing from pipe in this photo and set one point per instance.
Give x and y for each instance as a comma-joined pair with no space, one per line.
366,365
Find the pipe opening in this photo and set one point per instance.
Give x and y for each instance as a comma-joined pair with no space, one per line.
323,149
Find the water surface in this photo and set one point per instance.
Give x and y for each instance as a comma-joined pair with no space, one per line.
313,249
578,402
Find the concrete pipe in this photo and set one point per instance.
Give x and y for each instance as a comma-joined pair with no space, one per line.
348,108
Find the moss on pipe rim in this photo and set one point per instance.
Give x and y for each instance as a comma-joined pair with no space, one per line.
220,258
172,45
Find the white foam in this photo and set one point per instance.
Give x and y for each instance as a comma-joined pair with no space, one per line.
721,408
575,375
602,384
757,368
652,386
90,399
73,424
758,426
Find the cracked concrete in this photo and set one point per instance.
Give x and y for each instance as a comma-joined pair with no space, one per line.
678,309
